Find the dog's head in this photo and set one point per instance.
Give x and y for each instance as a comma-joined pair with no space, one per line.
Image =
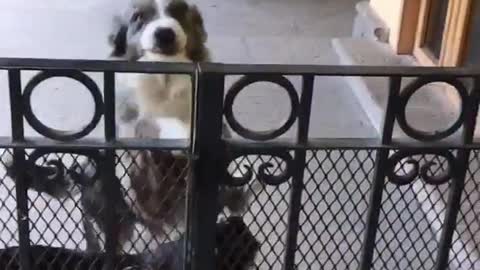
164,36
162,26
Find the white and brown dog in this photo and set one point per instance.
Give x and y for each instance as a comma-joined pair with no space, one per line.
173,33
164,95
159,106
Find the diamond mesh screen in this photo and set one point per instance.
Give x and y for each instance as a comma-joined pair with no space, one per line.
8,212
334,204
62,221
267,212
465,251
410,222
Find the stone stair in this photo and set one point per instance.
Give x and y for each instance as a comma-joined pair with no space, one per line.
431,108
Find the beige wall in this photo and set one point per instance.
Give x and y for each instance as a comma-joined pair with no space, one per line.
402,31
390,11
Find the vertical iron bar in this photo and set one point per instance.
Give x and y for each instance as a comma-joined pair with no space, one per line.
16,109
187,253
108,170
297,182
458,179
207,170
109,100
381,159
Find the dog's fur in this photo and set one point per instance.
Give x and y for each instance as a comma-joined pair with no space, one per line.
160,185
236,248
161,95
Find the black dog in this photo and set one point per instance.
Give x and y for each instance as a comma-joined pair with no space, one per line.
84,179
236,248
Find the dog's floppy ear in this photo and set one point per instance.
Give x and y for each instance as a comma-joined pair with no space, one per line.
191,20
177,9
197,49
118,38
197,21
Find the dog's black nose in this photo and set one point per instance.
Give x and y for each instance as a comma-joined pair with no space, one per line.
164,36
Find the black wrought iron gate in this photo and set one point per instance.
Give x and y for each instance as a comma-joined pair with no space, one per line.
323,204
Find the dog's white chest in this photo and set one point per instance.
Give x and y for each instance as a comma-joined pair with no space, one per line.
163,95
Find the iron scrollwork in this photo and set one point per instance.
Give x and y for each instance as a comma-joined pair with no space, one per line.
52,176
60,134
420,170
245,132
263,174
411,89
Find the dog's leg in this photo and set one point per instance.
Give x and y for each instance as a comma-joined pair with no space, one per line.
94,204
91,238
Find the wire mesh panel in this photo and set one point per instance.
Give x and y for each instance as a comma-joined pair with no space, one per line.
67,210
264,212
56,221
334,204
411,219
8,217
464,253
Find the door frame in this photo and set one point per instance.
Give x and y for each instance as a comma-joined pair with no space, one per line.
454,38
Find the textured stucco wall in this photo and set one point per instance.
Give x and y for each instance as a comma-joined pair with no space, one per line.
390,11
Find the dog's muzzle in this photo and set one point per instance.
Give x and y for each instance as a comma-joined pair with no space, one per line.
165,40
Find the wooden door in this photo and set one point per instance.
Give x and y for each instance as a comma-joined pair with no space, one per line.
471,56
442,31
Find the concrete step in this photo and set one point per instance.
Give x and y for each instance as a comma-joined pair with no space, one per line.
431,108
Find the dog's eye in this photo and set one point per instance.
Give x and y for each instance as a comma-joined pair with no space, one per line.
137,20
136,16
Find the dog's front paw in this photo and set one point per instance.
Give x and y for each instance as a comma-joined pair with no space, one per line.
146,128
127,109
128,113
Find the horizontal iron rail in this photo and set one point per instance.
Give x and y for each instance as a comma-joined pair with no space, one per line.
233,69
173,144
345,143
166,144
336,70
96,65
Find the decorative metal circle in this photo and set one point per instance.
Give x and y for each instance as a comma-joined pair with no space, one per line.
408,92
238,86
60,134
